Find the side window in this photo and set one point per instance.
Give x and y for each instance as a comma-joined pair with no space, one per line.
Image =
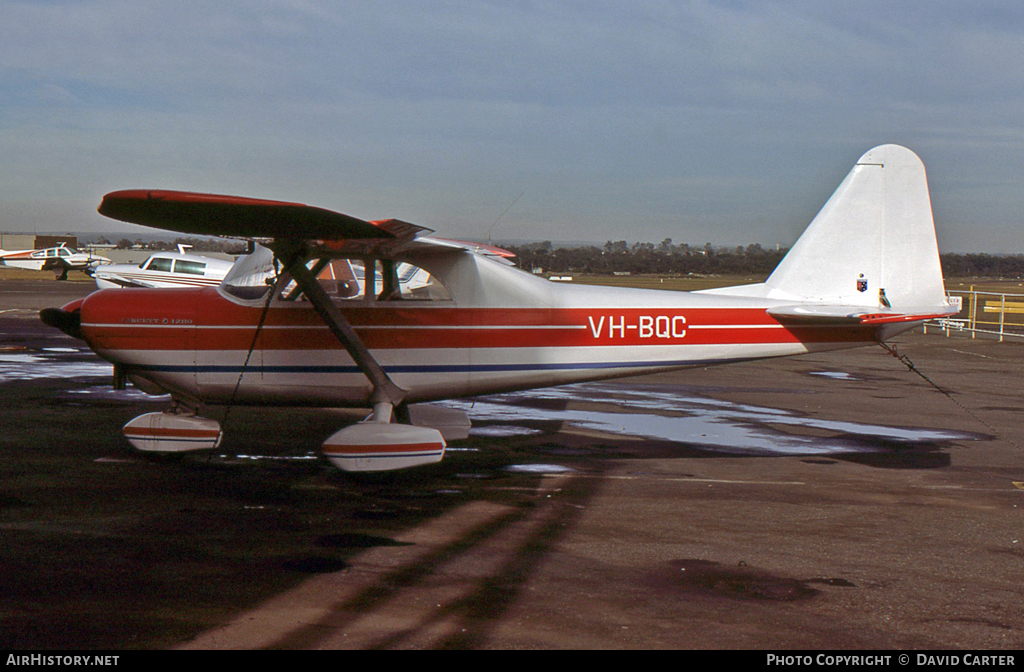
186,266
341,278
402,281
417,284
346,279
159,264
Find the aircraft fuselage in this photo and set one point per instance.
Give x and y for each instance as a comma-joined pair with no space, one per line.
201,345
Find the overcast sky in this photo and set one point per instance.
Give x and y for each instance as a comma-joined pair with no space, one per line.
706,121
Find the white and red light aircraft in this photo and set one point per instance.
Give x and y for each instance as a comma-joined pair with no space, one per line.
276,332
60,259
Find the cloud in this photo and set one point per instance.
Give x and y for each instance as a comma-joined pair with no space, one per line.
722,121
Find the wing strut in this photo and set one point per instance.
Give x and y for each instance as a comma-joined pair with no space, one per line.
386,394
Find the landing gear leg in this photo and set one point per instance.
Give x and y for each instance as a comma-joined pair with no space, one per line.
377,444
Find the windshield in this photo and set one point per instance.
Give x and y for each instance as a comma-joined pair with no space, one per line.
251,276
159,264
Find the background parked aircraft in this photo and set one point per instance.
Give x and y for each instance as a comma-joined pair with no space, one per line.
58,259
165,269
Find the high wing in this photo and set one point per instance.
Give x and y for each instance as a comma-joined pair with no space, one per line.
325,233
234,216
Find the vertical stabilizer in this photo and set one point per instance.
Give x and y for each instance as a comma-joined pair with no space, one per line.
873,244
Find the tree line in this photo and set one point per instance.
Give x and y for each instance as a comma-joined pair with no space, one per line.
668,258
198,245
664,258
982,265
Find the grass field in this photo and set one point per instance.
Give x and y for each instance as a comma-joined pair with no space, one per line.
992,285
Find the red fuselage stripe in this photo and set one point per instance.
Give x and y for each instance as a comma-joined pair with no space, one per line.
134,321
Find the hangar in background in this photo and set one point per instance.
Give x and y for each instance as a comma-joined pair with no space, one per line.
31,241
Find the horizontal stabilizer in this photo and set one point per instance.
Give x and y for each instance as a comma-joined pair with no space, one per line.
235,216
816,312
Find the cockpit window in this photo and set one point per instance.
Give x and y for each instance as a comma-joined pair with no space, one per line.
340,278
417,284
346,280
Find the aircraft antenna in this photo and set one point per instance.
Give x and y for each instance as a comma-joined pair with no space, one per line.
502,215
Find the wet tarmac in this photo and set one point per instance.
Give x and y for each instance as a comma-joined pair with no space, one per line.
828,501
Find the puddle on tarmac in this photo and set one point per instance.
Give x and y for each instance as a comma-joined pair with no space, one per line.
647,411
277,458
67,363
504,431
678,415
52,363
539,469
128,394
834,375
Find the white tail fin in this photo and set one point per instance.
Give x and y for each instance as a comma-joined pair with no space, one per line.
872,246
873,243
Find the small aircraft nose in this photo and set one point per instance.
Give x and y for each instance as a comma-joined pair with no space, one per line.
70,322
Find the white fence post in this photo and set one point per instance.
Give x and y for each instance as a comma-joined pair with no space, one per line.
1002,315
